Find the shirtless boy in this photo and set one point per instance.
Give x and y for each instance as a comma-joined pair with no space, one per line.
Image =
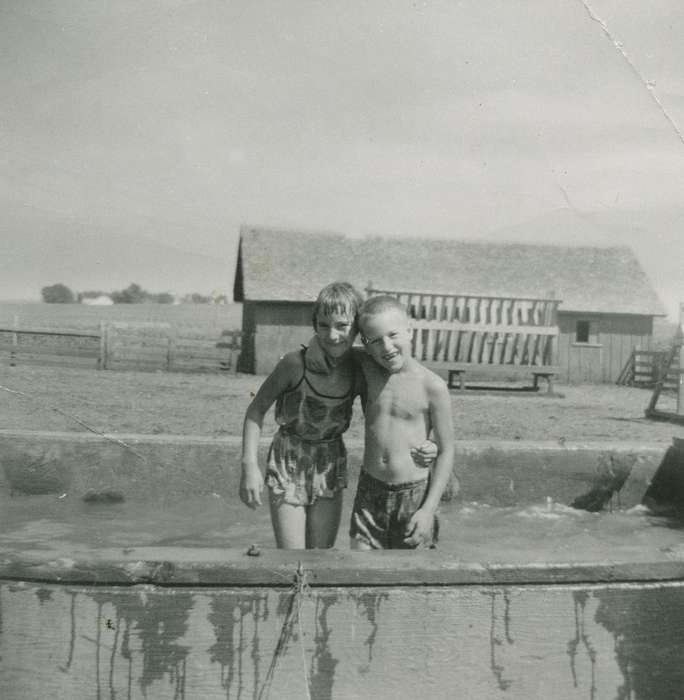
396,501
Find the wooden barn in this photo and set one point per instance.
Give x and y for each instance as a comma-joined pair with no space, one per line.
604,303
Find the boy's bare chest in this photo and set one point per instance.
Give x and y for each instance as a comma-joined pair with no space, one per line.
398,397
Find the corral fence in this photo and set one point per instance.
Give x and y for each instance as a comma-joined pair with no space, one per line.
123,345
645,368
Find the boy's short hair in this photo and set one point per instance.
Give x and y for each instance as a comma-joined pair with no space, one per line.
338,298
378,304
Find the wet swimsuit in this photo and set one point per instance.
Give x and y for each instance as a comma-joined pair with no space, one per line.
307,458
382,511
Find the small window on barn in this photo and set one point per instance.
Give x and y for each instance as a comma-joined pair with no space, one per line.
582,332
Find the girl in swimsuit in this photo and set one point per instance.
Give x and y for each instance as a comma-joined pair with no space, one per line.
313,390
307,460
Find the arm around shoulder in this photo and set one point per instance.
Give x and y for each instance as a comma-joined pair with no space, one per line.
443,430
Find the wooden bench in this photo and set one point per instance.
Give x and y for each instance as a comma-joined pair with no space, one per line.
458,370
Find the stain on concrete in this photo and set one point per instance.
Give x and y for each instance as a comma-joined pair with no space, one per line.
499,633
72,634
35,470
581,639
612,471
43,595
369,604
323,663
158,621
227,618
646,624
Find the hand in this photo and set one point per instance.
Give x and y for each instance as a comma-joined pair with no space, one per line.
424,455
315,358
251,486
419,530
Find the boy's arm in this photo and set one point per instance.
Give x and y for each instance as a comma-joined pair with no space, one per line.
284,376
419,528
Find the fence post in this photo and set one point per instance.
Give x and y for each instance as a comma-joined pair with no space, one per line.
15,343
170,348
103,346
107,349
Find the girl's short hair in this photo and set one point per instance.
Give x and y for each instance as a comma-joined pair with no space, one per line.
338,298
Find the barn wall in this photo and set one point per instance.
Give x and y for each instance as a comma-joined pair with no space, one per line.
280,328
273,328
611,341
247,354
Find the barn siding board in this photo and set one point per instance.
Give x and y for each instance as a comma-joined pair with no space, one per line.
273,328
616,334
563,355
247,362
280,328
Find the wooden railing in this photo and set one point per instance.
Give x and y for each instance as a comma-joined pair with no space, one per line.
478,329
644,368
119,345
160,346
38,346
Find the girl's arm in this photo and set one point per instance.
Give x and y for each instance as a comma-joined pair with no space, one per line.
285,376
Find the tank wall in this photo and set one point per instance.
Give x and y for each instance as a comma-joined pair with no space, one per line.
512,642
141,466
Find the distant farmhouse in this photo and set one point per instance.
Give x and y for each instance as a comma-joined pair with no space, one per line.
95,299
607,304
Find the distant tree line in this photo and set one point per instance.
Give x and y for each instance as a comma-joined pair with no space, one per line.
133,294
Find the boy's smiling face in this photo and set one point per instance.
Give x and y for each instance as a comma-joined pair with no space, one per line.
387,338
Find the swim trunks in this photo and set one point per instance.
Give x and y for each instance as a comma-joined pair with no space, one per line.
381,512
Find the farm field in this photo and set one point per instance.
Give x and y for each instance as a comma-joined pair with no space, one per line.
214,405
204,319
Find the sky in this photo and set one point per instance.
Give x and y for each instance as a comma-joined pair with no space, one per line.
176,122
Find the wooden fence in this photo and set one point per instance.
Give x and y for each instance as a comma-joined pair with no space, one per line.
122,345
481,330
645,368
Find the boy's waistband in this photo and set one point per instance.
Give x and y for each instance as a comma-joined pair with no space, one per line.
402,486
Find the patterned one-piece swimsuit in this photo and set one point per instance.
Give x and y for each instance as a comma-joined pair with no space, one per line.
307,458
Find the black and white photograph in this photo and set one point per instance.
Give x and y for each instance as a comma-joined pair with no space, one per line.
286,284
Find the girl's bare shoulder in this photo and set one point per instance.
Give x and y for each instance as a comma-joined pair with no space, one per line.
290,367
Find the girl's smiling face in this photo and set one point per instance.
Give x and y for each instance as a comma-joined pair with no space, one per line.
336,333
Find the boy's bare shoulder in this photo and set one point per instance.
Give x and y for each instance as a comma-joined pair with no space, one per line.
432,381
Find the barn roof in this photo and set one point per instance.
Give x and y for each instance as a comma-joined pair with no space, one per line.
276,265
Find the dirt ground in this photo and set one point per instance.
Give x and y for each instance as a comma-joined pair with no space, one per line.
214,404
